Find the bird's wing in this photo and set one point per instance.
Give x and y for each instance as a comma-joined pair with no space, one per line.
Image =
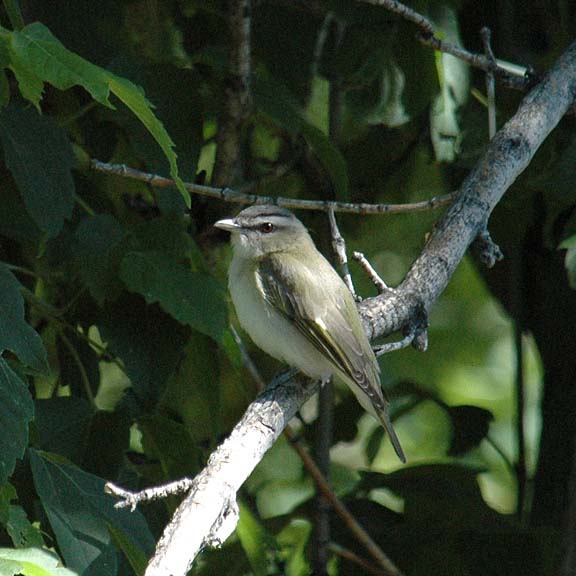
319,305
326,316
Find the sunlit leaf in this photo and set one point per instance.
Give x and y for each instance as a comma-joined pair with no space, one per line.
79,512
31,562
38,56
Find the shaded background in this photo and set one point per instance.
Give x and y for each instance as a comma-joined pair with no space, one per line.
136,377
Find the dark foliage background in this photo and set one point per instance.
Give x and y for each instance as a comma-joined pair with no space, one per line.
117,359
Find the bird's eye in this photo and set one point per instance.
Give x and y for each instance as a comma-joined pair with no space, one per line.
267,227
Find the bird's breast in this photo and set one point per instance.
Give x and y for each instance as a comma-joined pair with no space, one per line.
269,330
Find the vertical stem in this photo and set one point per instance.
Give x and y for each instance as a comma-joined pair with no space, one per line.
237,92
490,84
521,474
324,432
322,444
14,14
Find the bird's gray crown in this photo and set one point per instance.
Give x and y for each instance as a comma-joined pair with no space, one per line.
260,213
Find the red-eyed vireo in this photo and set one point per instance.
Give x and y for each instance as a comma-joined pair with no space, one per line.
296,307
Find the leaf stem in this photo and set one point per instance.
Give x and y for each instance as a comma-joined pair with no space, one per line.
81,368
14,14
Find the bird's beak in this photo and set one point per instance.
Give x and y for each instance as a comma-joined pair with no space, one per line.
228,224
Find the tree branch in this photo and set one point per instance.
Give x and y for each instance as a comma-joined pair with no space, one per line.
198,520
514,75
228,195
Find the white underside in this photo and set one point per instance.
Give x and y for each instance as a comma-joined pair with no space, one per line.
269,330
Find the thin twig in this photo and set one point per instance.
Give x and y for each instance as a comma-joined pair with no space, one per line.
521,473
229,195
490,84
339,247
353,557
81,368
515,76
340,509
128,499
381,286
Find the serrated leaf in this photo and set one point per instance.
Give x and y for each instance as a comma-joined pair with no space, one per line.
39,155
16,412
80,512
192,298
37,56
31,562
470,426
16,334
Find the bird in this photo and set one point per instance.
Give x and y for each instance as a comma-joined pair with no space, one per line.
296,307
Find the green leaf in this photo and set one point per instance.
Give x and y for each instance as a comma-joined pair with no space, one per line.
62,426
147,340
169,442
4,90
192,298
470,426
44,55
80,512
15,334
135,555
31,562
37,56
98,255
254,539
16,412
22,533
38,153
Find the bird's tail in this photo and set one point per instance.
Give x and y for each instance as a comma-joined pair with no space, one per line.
384,418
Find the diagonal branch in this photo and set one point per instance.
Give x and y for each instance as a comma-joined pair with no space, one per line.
505,158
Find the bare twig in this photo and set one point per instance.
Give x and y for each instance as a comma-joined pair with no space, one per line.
515,76
229,195
339,247
504,159
128,499
490,84
520,468
343,513
381,286
353,557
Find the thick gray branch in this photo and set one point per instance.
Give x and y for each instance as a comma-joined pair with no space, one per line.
506,157
207,515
